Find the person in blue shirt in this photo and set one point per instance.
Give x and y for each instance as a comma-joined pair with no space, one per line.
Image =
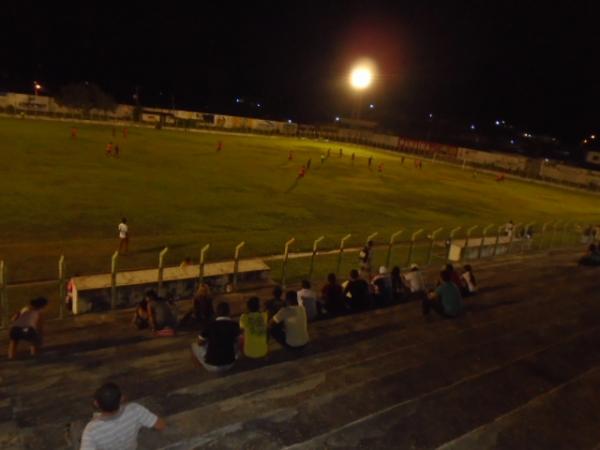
445,299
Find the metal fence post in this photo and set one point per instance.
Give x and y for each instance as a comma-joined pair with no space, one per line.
544,229
564,233
113,279
371,237
236,263
527,236
61,287
512,237
482,244
469,231
553,236
3,296
161,266
412,245
390,246
341,252
286,251
432,236
314,254
500,228
201,263
453,232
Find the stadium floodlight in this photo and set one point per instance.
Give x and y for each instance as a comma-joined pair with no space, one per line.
497,122
36,87
337,118
593,136
361,76
371,106
472,127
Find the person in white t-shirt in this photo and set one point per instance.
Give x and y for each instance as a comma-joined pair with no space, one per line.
123,236
308,299
289,325
414,281
117,425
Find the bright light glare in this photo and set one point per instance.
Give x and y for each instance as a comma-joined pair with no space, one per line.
361,77
337,119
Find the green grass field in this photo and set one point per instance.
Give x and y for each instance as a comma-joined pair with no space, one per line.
65,196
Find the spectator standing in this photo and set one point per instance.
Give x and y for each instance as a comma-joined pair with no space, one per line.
203,306
332,296
116,425
289,326
123,236
27,325
365,258
446,299
217,345
307,298
254,323
357,292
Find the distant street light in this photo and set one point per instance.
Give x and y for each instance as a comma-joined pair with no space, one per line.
371,106
593,136
472,127
36,87
361,77
337,119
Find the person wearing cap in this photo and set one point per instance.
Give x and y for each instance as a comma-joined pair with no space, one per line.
382,287
414,281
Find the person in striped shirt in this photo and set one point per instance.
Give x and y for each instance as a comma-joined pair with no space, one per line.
116,425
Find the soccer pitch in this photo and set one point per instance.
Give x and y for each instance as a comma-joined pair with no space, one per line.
65,196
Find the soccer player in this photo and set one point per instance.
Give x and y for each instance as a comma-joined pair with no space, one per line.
353,156
380,168
73,133
116,151
123,236
322,158
290,156
341,152
308,163
219,146
302,172
328,152
370,161
125,132
402,160
109,149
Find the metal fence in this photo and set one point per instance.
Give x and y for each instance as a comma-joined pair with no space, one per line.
425,247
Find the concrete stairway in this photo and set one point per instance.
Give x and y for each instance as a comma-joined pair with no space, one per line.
518,368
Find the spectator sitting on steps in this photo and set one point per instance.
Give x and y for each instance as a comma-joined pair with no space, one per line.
276,303
332,296
217,346
357,292
307,298
414,282
160,315
382,284
446,299
469,282
254,325
27,325
289,325
591,257
117,425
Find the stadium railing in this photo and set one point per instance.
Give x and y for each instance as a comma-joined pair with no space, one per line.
421,246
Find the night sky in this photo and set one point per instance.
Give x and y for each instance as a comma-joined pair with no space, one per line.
534,64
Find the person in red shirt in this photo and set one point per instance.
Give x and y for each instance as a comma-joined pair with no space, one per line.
109,149
220,146
302,172
73,133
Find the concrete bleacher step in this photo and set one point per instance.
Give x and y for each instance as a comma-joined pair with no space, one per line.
568,415
422,409
171,358
81,404
329,399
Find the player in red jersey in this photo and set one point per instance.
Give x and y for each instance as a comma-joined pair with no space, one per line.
220,146
73,133
302,172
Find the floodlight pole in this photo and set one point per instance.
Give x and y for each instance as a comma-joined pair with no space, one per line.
61,286
433,235
286,251
314,254
390,246
203,252
236,263
341,252
413,238
113,279
484,234
161,266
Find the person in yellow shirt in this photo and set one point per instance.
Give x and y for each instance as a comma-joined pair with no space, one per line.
254,325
